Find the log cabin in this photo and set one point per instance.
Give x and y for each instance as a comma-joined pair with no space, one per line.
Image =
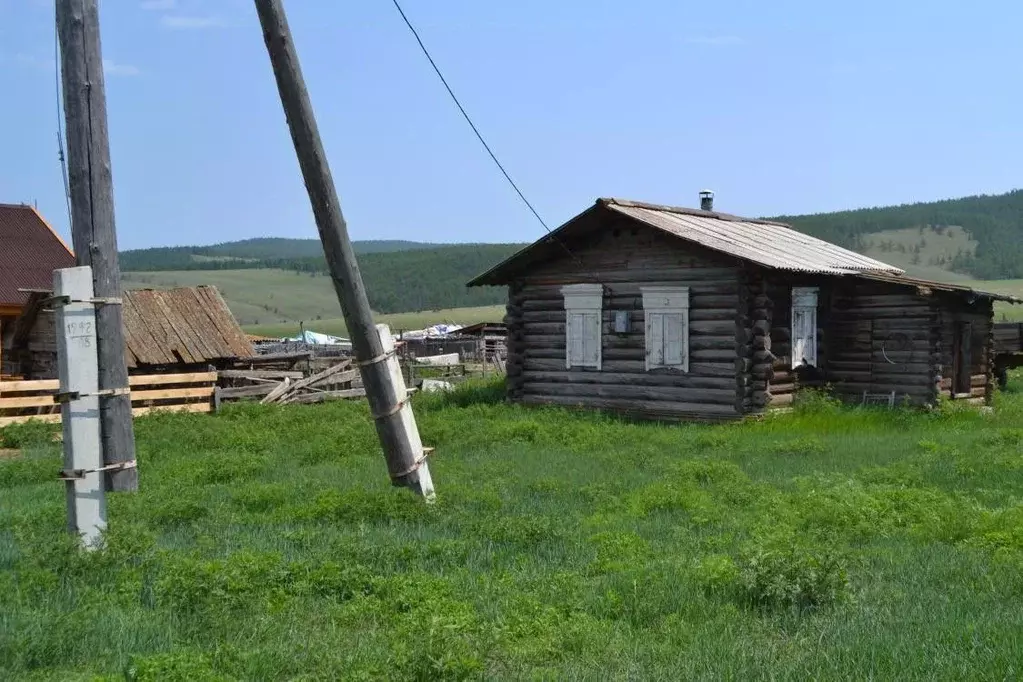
677,313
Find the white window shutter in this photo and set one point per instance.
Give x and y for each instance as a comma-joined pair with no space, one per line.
673,326
591,339
804,326
655,340
583,304
574,340
666,311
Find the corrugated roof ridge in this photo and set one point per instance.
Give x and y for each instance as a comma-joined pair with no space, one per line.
699,212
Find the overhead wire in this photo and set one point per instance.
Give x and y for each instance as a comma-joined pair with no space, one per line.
479,135
60,135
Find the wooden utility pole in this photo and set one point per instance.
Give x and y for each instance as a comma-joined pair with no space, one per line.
386,393
92,221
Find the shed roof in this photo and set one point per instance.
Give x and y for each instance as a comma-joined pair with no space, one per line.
771,244
184,325
765,242
30,250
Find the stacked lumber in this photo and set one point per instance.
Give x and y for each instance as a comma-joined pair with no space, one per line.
22,401
287,386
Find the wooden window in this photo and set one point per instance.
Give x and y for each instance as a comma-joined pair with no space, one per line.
583,303
804,326
666,310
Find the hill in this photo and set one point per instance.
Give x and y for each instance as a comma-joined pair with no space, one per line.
989,229
247,253
284,290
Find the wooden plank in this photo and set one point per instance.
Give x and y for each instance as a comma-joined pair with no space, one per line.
29,386
246,391
28,401
277,392
279,374
164,379
618,378
173,393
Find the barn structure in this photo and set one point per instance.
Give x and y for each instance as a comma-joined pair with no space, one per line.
30,250
188,329
681,313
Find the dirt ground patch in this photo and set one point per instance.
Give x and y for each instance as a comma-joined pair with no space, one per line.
7,453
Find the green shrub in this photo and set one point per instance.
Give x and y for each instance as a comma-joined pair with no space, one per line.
792,577
799,447
33,432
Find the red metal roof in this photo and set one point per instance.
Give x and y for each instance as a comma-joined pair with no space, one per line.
29,253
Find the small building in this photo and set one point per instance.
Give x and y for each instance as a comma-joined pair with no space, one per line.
30,250
680,313
175,330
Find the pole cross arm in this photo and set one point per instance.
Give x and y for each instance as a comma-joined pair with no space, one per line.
94,300
68,396
78,474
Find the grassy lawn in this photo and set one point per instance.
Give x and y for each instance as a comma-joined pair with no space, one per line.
266,544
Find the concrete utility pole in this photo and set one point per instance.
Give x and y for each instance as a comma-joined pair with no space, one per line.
79,388
92,221
386,393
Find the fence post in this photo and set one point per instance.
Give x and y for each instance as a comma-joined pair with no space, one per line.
78,368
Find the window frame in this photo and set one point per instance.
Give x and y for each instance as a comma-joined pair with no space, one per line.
658,302
804,299
586,300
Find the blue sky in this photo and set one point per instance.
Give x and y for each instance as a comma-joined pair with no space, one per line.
781,107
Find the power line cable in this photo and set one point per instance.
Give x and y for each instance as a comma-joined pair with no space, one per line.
465,115
60,135
479,136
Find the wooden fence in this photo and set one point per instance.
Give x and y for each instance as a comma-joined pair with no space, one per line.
21,401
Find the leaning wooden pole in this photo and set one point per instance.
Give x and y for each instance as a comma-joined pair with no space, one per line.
92,223
395,425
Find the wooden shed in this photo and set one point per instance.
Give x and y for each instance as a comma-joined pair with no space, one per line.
680,313
175,330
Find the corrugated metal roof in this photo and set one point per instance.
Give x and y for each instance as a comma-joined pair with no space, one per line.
29,253
768,243
771,244
185,325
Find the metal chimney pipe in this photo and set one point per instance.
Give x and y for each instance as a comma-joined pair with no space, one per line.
706,200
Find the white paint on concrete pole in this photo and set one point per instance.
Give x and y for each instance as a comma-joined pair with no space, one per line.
79,373
421,477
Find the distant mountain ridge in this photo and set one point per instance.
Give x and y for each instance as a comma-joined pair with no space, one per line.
978,236
260,248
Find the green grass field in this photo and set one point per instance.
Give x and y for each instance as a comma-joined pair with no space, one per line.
267,544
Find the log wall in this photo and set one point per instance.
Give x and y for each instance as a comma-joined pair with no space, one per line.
623,258
882,342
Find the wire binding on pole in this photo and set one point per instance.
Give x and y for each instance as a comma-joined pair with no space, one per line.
415,467
67,300
68,396
374,360
78,474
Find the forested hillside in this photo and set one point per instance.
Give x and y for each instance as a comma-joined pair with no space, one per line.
397,281
995,223
974,236
248,253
